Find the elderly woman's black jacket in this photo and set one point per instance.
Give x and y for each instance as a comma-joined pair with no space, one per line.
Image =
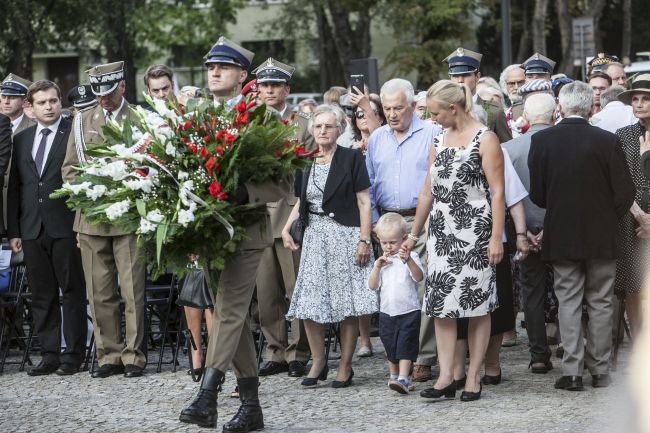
347,176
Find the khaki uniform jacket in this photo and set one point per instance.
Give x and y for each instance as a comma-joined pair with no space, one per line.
279,211
93,120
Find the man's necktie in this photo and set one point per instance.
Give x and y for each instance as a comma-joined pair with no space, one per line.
109,116
40,152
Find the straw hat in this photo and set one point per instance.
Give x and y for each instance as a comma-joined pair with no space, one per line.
641,84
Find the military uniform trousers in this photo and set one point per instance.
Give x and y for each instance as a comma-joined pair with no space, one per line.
52,264
104,258
231,342
276,280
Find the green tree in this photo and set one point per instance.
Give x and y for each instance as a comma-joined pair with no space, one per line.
27,26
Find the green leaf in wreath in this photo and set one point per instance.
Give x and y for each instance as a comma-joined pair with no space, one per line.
161,234
142,207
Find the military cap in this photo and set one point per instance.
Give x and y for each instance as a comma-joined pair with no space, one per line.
225,51
560,82
600,60
104,79
538,64
273,71
13,85
81,96
463,61
536,85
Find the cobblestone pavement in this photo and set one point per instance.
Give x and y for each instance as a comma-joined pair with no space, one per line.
524,402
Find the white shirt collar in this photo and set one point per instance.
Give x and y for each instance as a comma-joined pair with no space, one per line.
53,127
284,109
16,122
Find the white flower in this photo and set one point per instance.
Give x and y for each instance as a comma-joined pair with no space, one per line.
143,184
146,226
186,187
182,175
118,209
127,152
76,189
95,192
170,149
185,216
155,216
115,170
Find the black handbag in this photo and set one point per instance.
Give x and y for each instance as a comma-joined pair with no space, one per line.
297,230
195,292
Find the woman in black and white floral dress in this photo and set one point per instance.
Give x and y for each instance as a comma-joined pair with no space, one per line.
335,262
463,196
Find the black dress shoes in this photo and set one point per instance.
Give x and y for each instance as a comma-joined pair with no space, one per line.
43,369
540,367
569,383
601,380
297,368
67,369
313,381
107,370
472,396
491,380
131,370
448,391
272,367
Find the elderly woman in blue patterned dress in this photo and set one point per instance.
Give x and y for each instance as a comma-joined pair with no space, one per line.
463,197
335,263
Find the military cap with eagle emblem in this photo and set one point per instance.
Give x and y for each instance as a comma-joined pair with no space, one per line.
600,60
13,85
273,71
463,61
226,51
538,64
81,96
104,79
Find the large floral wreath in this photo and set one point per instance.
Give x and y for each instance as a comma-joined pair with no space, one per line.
170,176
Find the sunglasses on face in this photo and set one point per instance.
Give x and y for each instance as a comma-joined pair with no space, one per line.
361,114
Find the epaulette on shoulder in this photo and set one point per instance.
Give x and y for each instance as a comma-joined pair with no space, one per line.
306,116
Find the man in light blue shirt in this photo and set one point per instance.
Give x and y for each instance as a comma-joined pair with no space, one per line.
397,163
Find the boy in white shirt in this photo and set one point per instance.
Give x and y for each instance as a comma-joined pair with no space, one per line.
399,319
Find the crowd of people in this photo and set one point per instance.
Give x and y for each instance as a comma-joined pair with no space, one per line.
445,211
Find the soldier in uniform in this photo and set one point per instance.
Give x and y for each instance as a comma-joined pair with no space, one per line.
464,69
538,66
13,95
277,275
231,342
106,248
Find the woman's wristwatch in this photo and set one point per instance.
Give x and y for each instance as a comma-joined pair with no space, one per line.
365,241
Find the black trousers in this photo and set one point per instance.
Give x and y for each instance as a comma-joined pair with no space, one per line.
52,264
533,293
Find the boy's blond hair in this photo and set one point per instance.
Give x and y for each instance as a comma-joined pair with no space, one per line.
391,220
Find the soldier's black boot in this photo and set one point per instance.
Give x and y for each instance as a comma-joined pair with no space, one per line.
249,416
203,410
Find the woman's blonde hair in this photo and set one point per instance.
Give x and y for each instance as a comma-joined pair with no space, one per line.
447,92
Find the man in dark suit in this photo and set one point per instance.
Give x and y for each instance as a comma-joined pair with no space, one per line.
5,156
578,173
42,228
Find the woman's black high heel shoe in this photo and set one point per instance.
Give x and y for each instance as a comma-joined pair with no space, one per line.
448,391
343,383
491,380
471,396
313,381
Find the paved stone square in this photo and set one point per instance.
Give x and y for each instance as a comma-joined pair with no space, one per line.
524,402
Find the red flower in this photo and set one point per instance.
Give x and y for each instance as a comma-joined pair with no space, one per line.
187,124
205,153
278,153
300,150
229,139
286,144
222,196
193,148
209,165
214,189
241,107
251,105
220,134
184,140
219,150
206,138
242,118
